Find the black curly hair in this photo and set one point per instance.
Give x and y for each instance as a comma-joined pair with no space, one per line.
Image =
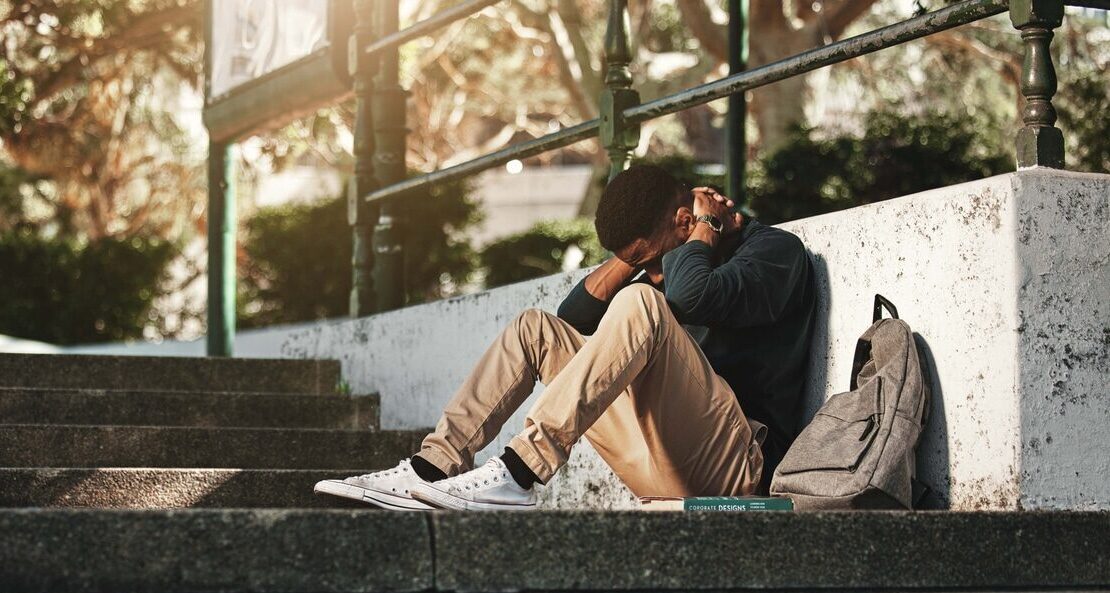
634,205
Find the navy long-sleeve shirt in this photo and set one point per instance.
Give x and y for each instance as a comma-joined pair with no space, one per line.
750,304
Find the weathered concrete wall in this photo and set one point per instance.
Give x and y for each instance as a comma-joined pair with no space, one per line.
1063,291
1007,281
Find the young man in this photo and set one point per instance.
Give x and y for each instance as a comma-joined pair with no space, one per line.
689,386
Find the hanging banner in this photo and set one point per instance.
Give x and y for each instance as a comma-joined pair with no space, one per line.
251,38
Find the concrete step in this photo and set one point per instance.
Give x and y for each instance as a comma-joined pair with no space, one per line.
20,405
113,551
168,373
141,488
154,446
62,550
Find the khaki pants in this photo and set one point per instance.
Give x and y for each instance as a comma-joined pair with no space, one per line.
640,390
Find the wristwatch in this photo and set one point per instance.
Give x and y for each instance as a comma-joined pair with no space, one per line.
713,222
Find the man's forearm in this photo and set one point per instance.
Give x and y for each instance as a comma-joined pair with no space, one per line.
604,282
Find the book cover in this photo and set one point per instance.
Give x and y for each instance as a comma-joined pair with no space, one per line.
716,503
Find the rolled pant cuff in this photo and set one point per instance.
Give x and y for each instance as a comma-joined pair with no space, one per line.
544,471
442,461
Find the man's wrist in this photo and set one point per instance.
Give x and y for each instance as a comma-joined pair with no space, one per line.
704,233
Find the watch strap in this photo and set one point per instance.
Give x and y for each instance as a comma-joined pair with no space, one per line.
713,222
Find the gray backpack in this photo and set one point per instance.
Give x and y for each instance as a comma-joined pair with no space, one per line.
858,451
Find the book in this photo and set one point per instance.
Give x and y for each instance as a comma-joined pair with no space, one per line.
716,503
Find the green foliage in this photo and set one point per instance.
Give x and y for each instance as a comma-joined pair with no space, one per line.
297,265
1083,105
64,292
540,251
298,257
15,98
439,256
896,156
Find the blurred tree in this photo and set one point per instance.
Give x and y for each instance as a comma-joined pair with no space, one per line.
99,176
776,29
87,90
1084,109
896,156
974,70
72,292
296,259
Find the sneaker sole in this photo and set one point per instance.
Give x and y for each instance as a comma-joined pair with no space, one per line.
379,499
442,500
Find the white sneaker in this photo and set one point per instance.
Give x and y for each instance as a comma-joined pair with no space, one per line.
487,488
388,489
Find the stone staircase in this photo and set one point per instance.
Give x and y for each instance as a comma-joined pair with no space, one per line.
137,432
141,439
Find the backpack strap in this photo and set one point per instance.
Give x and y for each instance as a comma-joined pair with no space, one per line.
863,347
880,302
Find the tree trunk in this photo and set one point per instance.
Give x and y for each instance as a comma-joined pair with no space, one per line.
778,108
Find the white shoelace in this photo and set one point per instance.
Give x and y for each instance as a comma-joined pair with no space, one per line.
490,473
401,468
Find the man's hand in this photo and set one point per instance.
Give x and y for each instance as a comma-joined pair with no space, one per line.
708,201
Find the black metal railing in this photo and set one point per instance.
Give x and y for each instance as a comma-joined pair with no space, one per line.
379,179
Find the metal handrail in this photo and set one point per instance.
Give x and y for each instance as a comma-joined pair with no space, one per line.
564,137
946,18
917,27
428,25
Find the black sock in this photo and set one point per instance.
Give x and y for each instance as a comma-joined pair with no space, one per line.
426,470
520,471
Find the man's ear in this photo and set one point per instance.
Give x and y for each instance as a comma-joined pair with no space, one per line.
684,219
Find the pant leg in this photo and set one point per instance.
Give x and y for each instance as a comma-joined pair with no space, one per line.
645,396
535,346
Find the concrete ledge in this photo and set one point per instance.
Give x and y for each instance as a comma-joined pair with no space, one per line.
727,551
156,372
173,408
323,551
29,445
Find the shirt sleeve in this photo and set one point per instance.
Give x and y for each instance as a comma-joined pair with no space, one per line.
583,311
755,286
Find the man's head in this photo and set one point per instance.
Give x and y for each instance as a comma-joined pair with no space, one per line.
644,212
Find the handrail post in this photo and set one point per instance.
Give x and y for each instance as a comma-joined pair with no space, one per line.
360,214
1039,143
389,165
220,337
736,130
618,136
